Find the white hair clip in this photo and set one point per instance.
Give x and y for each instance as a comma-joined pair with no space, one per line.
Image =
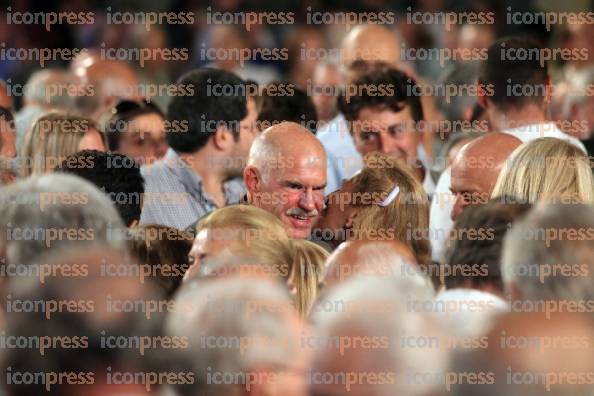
391,197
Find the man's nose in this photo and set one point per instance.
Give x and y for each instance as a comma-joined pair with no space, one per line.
307,201
459,206
388,144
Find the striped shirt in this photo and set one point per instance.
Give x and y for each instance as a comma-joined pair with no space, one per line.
173,194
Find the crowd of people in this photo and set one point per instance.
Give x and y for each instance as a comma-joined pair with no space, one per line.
370,237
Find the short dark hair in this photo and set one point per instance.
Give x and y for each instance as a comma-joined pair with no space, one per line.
121,114
292,105
383,89
477,240
115,174
215,97
166,250
504,70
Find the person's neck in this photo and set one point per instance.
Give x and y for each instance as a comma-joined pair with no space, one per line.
517,118
204,165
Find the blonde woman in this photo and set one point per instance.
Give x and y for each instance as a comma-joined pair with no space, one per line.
53,137
307,272
245,239
546,168
383,201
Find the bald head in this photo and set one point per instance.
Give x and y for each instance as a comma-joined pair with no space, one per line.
371,44
286,139
524,345
286,175
111,80
476,168
361,257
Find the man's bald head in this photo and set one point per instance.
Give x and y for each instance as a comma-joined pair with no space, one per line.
371,44
111,81
286,139
476,168
286,175
356,257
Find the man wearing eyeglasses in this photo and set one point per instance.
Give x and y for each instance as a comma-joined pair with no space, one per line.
208,150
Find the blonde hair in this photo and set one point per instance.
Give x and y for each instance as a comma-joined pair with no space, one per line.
264,240
307,272
403,217
546,168
53,137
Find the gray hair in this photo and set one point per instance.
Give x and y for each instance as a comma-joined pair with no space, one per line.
378,308
550,236
229,311
42,214
51,88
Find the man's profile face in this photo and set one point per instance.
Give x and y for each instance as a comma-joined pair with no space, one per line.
470,184
293,190
386,131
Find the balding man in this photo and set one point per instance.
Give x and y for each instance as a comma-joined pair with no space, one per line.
365,48
503,78
286,175
202,168
476,168
110,81
366,257
531,354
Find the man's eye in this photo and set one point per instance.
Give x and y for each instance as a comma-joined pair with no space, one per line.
294,186
368,136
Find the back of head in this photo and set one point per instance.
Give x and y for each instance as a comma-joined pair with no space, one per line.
531,354
52,88
547,168
225,323
52,137
393,205
376,309
281,102
253,236
514,64
548,255
56,211
218,99
476,245
116,175
74,324
162,252
306,272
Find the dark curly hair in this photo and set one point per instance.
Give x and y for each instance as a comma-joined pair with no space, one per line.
385,88
115,174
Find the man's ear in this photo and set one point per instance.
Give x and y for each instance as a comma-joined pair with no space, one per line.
482,95
223,138
251,178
